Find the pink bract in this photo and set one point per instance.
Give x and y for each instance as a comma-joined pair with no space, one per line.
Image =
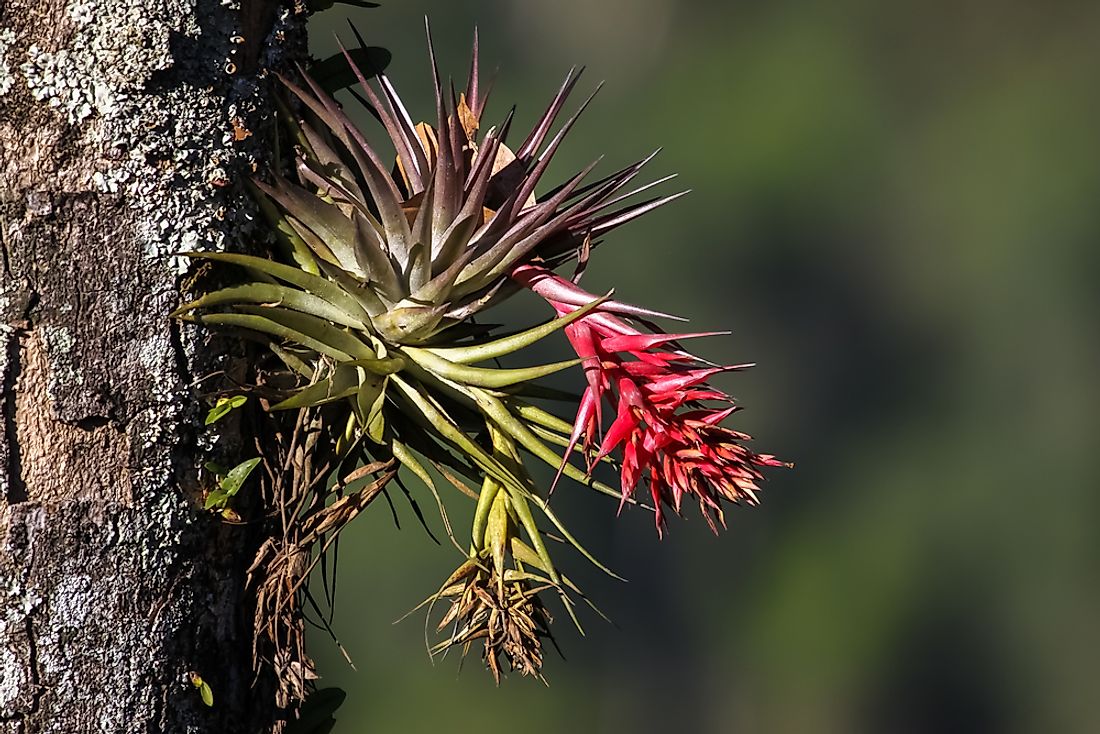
663,431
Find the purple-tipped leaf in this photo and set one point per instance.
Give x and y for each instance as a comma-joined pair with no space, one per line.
324,219
473,83
542,128
621,217
544,158
401,131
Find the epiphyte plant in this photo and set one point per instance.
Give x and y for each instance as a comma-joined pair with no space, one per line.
385,258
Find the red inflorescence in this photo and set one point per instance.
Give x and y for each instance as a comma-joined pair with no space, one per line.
667,435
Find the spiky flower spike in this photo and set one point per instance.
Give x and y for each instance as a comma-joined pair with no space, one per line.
669,438
392,254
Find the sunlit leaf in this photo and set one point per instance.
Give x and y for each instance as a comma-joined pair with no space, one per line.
507,345
237,475
205,692
343,383
215,498
402,453
370,400
273,293
483,376
307,281
223,406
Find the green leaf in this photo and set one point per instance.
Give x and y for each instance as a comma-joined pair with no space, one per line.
331,225
496,531
515,428
402,453
454,254
380,367
361,291
420,263
292,244
205,693
540,417
542,392
343,382
315,244
409,323
223,406
295,276
489,489
322,161
237,475
455,243
519,430
527,520
230,515
216,469
308,331
295,298
483,376
370,401
426,413
269,326
292,361
371,247
215,498
509,344
316,328
524,553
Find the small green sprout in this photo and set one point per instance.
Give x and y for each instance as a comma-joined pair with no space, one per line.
204,688
222,408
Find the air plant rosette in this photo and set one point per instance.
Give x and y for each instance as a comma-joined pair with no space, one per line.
387,257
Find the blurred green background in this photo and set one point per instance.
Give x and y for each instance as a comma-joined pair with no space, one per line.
895,210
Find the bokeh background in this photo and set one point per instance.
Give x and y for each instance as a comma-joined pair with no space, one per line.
895,210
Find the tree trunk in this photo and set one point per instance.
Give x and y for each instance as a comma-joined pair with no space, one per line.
124,128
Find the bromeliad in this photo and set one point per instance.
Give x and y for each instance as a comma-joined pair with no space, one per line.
386,260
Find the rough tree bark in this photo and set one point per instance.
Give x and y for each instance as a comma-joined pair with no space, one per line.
124,125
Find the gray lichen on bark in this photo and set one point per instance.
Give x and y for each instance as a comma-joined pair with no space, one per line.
124,127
